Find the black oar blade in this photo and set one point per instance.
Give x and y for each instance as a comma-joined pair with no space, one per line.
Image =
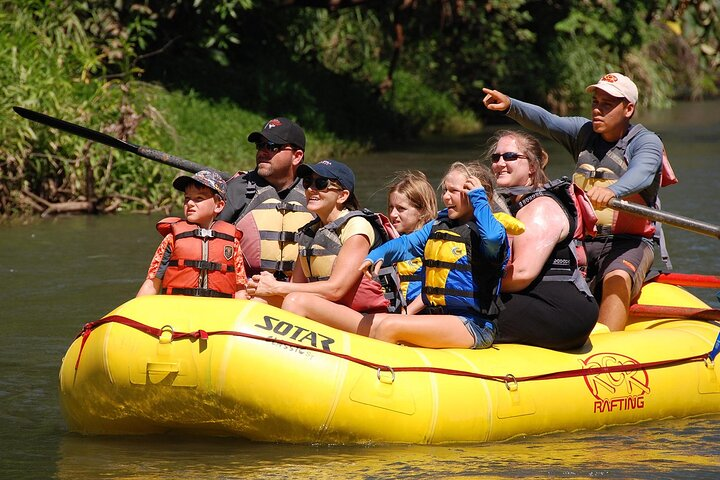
93,135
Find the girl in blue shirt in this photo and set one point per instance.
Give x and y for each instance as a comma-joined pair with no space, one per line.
464,252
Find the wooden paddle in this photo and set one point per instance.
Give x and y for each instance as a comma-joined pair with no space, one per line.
666,218
105,139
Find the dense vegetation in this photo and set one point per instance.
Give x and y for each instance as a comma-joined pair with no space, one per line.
193,77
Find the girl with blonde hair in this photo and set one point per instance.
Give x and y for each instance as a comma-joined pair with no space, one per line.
464,252
411,204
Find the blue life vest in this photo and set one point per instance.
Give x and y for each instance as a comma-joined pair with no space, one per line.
411,274
458,277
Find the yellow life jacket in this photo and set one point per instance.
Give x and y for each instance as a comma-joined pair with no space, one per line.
457,277
411,271
411,275
591,171
270,225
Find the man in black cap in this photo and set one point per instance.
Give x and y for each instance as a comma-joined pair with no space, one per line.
268,204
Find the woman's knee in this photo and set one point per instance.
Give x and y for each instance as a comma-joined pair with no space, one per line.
386,327
297,302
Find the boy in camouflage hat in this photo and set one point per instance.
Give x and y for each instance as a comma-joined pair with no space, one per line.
198,256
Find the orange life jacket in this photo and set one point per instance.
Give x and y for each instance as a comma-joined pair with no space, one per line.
202,262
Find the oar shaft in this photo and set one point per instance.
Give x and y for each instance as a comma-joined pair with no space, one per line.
177,162
662,311
105,139
667,218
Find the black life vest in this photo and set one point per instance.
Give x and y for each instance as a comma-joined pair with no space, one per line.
562,265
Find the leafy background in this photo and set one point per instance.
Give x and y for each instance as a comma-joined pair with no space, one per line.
193,77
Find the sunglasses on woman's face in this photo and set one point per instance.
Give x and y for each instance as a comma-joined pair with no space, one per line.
318,183
507,156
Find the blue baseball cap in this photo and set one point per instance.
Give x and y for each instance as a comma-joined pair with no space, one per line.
331,169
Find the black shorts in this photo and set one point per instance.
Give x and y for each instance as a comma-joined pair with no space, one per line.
630,254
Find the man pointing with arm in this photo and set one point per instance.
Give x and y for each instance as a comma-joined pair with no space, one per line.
614,159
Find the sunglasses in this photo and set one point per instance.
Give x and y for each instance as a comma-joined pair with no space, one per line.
272,147
318,183
507,156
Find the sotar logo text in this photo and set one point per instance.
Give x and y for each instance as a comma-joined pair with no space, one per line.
296,333
616,390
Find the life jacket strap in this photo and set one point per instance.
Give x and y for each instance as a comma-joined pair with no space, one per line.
411,277
449,291
278,236
195,292
277,266
205,233
448,265
202,265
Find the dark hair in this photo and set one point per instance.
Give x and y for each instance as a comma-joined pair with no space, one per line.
530,147
352,202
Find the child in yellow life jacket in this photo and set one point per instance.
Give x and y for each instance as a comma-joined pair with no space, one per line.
464,253
411,204
198,256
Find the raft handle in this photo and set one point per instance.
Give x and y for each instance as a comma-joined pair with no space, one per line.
392,375
165,338
512,387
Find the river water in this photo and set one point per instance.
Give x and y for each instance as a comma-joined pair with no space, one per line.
59,273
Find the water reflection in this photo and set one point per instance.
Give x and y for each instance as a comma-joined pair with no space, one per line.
638,451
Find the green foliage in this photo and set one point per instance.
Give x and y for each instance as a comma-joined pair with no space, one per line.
220,68
207,132
352,42
53,66
461,51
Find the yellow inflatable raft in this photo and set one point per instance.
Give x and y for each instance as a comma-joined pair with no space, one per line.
226,367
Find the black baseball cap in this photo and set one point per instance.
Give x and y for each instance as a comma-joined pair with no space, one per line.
280,130
331,169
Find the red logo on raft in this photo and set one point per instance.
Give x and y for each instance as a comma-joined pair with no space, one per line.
616,391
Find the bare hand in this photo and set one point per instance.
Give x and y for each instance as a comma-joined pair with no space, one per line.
365,268
472,183
496,100
263,285
600,196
